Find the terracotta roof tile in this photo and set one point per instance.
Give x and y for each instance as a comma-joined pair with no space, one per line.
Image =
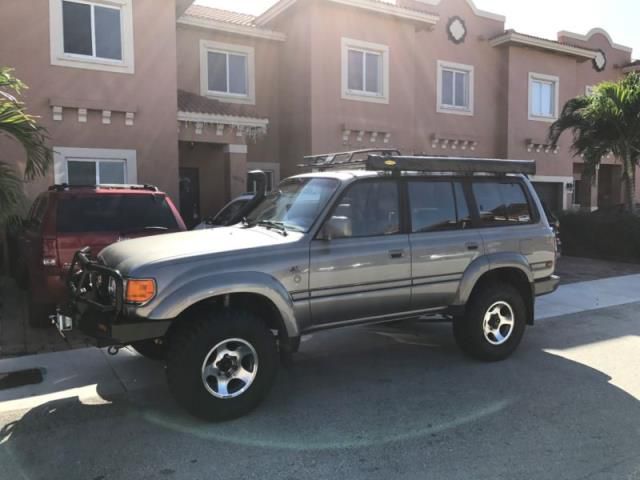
193,103
220,15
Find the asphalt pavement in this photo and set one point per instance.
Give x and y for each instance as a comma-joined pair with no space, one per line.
396,401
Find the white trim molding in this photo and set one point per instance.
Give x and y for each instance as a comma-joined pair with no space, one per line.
207,46
591,33
62,155
370,5
62,59
236,148
363,96
512,37
556,91
210,118
467,69
227,27
480,13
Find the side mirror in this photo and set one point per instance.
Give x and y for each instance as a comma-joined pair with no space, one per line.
336,227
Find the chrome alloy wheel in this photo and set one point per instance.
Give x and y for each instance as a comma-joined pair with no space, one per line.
498,323
229,368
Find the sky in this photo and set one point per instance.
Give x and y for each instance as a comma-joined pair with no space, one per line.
621,18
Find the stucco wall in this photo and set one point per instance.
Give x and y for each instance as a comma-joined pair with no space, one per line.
151,90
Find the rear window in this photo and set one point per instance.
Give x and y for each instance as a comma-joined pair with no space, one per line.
114,213
501,203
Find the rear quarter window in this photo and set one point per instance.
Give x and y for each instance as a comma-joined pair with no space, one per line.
113,213
502,203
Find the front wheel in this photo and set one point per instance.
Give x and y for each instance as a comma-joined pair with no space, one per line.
221,365
493,324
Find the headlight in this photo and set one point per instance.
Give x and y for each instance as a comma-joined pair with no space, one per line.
112,287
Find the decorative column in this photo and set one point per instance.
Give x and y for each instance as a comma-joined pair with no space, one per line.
235,163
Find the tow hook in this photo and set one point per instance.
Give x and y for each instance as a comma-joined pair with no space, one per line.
114,349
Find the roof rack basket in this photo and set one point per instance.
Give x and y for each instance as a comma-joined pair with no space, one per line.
345,160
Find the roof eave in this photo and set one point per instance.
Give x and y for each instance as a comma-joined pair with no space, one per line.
526,41
245,30
253,122
388,9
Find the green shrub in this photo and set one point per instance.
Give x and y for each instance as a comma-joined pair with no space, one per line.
614,236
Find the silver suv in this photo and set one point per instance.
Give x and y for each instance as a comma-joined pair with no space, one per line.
360,242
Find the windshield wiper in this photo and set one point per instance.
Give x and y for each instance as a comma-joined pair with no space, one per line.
280,226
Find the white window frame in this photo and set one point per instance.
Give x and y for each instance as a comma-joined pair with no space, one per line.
365,47
56,33
541,77
63,155
207,46
455,67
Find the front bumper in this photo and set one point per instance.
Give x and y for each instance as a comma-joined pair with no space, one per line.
96,313
546,286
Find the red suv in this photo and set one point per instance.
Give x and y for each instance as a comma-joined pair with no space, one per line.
66,218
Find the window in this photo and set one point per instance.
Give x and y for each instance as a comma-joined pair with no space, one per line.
91,166
365,71
228,212
370,208
227,72
437,205
94,172
114,213
543,97
501,203
455,88
94,34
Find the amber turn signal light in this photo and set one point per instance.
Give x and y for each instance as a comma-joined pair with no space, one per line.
140,290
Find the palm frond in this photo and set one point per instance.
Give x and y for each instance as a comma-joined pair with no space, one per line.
11,193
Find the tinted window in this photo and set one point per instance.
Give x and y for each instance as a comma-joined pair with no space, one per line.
108,36
437,206
76,19
371,208
501,203
114,213
228,212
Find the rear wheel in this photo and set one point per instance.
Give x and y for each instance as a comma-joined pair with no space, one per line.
221,365
151,349
493,324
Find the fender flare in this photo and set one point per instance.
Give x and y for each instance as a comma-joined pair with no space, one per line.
485,264
177,301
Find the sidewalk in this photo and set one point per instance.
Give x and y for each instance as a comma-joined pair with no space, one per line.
76,373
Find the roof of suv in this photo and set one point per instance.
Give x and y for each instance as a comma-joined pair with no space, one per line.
105,189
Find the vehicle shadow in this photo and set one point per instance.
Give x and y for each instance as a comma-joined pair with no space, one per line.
396,400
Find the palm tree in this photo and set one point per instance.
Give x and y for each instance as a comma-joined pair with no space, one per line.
607,121
17,124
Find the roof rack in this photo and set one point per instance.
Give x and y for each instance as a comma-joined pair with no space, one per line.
61,187
449,164
350,159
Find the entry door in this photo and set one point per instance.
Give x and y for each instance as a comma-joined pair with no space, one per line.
190,196
364,271
442,241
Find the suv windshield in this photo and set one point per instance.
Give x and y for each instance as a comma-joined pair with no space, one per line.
295,204
114,213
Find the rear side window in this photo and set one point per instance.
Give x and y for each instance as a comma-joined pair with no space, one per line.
437,205
501,203
114,213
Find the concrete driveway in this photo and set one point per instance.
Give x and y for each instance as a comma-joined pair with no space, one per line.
369,402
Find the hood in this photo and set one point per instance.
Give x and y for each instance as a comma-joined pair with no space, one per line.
131,254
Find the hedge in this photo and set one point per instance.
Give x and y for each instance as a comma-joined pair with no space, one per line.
608,236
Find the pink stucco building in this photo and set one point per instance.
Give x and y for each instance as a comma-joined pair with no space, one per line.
190,98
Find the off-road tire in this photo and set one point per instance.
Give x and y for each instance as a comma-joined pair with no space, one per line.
190,342
468,329
150,349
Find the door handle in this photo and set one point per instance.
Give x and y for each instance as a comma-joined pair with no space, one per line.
396,253
472,246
